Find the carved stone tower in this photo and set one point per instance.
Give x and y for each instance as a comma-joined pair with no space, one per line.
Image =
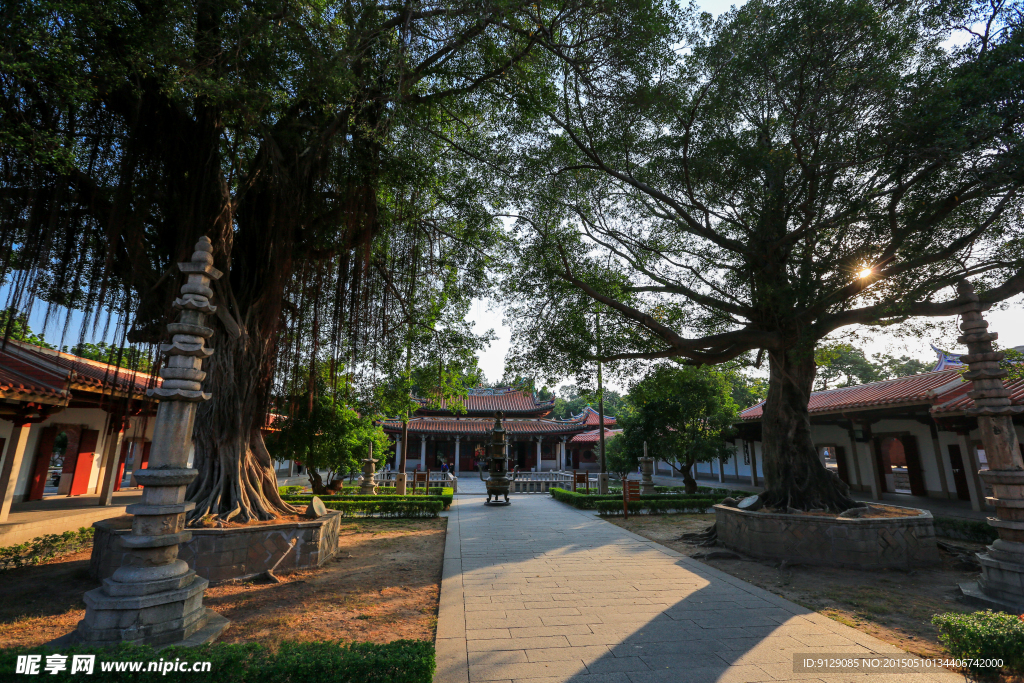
154,598
1002,583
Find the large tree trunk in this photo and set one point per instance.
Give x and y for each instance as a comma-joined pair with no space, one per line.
687,471
793,473
236,478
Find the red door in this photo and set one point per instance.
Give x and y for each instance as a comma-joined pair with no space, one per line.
83,464
42,464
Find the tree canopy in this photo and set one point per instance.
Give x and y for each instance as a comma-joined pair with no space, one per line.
796,166
684,413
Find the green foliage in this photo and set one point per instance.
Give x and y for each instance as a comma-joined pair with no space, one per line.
1013,363
45,548
385,506
965,529
843,365
444,494
583,501
573,400
684,413
130,357
677,505
16,327
983,636
323,432
400,661
289,490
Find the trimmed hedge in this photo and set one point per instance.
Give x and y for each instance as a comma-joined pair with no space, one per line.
583,501
387,506
44,548
646,506
445,495
983,635
965,529
289,490
401,661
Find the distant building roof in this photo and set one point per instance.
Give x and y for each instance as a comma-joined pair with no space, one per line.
946,361
923,388
957,401
55,376
482,426
594,435
489,401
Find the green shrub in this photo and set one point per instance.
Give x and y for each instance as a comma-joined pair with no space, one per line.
445,495
401,661
289,490
976,530
393,507
983,635
45,548
646,506
584,501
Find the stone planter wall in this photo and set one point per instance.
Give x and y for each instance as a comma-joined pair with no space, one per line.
219,555
858,543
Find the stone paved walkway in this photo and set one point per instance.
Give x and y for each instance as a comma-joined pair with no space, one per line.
542,592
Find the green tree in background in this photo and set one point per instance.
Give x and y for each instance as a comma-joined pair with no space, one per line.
684,413
16,327
325,433
572,401
844,365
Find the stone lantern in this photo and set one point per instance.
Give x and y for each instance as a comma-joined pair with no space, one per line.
1001,585
646,473
498,483
367,486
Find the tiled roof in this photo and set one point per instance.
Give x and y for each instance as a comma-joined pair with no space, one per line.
957,401
923,388
52,369
448,425
20,380
592,418
593,436
505,400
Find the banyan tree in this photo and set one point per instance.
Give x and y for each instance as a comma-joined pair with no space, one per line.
305,139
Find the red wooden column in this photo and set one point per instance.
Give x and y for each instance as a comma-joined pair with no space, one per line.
41,468
83,463
125,445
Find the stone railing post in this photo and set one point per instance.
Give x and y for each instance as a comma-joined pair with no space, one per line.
154,598
1002,582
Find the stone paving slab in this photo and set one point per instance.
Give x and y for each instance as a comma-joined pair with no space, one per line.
539,592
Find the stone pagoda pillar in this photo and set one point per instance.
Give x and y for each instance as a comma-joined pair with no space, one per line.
154,598
1002,582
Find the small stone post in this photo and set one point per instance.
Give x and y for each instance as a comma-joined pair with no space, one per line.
646,472
1001,585
154,598
367,486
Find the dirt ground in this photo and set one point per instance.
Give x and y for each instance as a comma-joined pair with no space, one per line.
894,606
383,585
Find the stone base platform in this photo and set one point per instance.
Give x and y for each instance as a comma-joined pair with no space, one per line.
219,555
874,543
